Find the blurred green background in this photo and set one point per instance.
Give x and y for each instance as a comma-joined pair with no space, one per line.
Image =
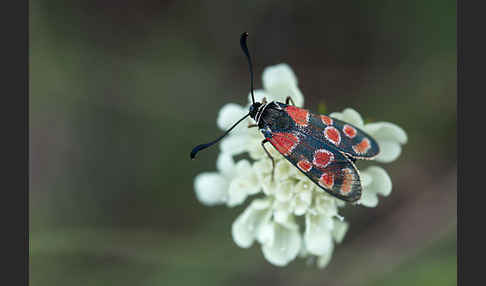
120,91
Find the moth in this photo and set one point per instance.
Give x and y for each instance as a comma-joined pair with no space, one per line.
322,148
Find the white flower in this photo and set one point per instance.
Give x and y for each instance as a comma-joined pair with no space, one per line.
293,217
231,185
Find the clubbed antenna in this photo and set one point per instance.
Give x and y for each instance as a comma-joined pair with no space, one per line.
204,146
244,47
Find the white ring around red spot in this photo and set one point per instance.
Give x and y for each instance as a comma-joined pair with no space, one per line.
326,120
349,131
327,180
333,135
322,158
304,165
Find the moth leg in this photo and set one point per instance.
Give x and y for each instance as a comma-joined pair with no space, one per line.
269,156
252,125
289,99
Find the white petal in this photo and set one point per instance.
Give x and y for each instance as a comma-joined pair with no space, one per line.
259,95
336,115
317,236
303,249
324,260
280,74
242,185
229,114
324,204
284,246
303,197
226,165
300,208
368,199
247,174
281,92
339,230
266,233
365,179
269,186
352,116
237,192
381,182
246,227
389,151
282,212
233,145
255,148
263,167
284,169
386,131
284,190
211,188
340,203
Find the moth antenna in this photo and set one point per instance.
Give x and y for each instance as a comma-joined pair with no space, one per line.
244,47
198,148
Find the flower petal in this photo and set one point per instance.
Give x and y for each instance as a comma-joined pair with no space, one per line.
284,246
229,114
246,183
339,230
246,227
281,74
324,204
269,186
324,259
233,145
352,116
282,212
365,179
263,167
211,188
281,92
259,95
386,131
368,199
280,82
284,190
317,234
284,169
303,197
381,182
251,180
237,192
226,165
389,151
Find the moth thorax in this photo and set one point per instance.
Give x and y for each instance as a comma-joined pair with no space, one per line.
254,109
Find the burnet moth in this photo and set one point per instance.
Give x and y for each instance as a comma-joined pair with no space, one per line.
322,148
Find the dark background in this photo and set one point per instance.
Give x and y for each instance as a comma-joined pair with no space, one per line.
120,91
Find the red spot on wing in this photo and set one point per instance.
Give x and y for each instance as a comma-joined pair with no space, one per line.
299,115
326,120
327,180
333,135
362,147
304,165
322,158
348,179
284,142
349,130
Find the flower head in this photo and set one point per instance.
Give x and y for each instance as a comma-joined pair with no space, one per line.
292,216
